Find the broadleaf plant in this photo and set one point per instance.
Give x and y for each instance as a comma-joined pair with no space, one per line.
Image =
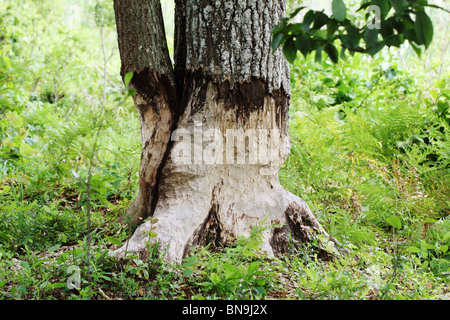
395,22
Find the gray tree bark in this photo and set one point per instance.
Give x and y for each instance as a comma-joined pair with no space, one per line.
215,127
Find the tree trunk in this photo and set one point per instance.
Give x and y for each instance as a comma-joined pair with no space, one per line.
143,50
215,128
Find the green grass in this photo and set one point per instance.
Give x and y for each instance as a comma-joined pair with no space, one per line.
370,156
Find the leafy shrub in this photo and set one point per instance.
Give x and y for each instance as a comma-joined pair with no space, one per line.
235,272
432,253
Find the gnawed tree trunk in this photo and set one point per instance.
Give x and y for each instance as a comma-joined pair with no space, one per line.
214,128
143,51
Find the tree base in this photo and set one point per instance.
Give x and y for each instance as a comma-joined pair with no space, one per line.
195,222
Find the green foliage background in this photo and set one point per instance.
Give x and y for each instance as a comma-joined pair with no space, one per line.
370,155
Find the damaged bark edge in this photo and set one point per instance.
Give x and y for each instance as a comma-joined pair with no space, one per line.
159,108
210,232
245,98
153,85
300,230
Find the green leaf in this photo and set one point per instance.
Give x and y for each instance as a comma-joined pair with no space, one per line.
230,271
364,6
424,28
152,235
394,221
25,149
18,139
387,29
5,190
296,11
78,253
290,50
113,240
332,27
3,122
276,41
447,236
443,106
384,6
294,29
303,43
444,248
318,56
376,48
259,290
416,48
308,19
320,20
54,248
352,38
188,272
105,277
215,278
127,78
15,120
371,37
131,92
342,54
190,261
339,10
58,285
253,267
399,5
321,34
332,52
395,40
414,249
